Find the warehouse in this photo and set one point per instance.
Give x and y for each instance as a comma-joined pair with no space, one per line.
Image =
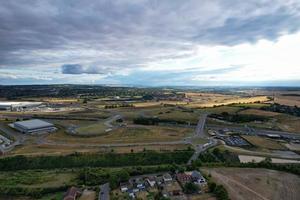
18,106
34,126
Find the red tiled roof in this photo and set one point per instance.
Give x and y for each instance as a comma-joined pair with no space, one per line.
182,177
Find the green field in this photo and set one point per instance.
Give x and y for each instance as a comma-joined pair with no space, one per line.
136,134
98,128
36,178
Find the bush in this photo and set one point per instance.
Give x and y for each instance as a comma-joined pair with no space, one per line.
191,188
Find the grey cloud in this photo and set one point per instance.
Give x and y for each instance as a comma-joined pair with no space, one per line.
79,69
122,34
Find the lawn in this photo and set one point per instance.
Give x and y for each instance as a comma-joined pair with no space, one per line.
148,134
96,128
46,149
137,134
220,109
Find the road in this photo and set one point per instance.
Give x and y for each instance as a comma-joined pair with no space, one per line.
201,148
200,126
18,137
104,192
255,131
200,133
112,119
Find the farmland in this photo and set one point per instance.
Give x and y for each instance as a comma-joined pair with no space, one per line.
248,184
264,143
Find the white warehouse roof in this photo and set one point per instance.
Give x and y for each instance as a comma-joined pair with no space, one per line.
21,103
33,124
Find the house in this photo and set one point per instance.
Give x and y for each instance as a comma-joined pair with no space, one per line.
159,180
167,178
197,177
131,194
135,190
151,181
72,193
183,178
124,187
139,184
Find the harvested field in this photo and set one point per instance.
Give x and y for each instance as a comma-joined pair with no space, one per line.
288,123
293,146
264,143
258,184
157,103
288,100
259,112
227,101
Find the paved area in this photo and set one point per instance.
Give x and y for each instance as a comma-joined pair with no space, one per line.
104,192
201,148
18,137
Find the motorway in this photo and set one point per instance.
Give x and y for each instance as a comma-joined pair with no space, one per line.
254,131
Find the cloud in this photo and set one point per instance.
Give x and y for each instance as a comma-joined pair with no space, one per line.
119,37
79,69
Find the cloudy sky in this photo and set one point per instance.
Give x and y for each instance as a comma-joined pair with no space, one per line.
157,42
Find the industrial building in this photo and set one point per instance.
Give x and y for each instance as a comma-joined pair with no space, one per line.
18,106
34,126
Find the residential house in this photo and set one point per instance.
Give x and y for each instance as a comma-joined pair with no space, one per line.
183,178
197,177
72,193
151,181
167,178
124,187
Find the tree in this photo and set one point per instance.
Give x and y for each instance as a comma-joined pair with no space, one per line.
221,192
123,176
212,186
191,188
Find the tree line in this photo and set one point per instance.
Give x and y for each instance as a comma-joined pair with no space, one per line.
94,160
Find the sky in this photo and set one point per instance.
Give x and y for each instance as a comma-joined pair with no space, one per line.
150,43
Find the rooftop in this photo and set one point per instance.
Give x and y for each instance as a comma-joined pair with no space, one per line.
12,103
33,124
